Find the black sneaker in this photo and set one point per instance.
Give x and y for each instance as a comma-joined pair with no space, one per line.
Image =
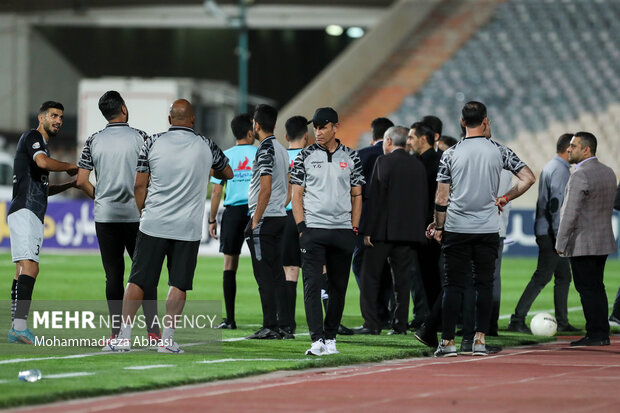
614,321
426,337
587,341
344,331
287,333
415,324
518,327
227,325
265,334
449,350
568,328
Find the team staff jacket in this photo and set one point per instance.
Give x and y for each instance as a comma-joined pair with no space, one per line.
327,179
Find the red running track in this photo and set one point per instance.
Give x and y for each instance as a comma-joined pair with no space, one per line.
543,378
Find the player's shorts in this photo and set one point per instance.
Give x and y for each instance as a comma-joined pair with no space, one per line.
291,256
148,259
26,235
234,220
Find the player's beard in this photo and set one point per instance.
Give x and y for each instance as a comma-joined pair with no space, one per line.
50,132
256,136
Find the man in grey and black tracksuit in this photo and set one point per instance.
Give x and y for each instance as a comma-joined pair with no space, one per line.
267,203
327,184
113,154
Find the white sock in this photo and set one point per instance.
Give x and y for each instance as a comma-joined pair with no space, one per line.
125,332
19,324
168,336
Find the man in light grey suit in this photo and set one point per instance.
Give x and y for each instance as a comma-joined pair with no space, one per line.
585,233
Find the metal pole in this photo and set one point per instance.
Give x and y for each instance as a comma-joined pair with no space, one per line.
244,55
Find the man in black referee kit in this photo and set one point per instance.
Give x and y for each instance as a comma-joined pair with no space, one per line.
31,188
327,184
267,202
174,166
113,154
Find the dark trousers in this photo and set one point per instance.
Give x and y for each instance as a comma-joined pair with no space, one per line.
588,274
264,243
385,298
461,252
469,300
114,239
428,269
549,264
616,310
399,256
333,248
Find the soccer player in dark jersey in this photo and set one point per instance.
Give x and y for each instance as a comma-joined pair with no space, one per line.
30,191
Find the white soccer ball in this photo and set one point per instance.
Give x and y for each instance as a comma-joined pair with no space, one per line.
543,324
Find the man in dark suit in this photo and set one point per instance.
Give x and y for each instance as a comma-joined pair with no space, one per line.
368,157
422,140
585,233
397,208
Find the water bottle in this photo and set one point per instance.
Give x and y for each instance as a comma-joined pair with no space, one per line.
30,376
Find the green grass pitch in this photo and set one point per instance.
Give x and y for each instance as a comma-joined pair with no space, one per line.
73,277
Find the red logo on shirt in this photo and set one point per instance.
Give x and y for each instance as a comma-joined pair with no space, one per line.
343,165
292,163
244,166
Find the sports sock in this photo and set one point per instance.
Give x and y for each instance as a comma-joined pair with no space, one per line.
125,332
230,291
291,293
13,298
23,297
167,336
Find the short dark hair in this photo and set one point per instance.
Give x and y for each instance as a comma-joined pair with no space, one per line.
379,126
563,142
434,122
110,104
448,140
473,113
424,129
266,116
589,140
50,104
296,127
240,125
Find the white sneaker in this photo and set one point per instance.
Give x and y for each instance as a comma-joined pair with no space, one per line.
330,347
117,345
317,349
171,349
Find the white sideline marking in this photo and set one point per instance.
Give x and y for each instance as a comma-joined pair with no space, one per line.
152,366
67,375
552,311
259,359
